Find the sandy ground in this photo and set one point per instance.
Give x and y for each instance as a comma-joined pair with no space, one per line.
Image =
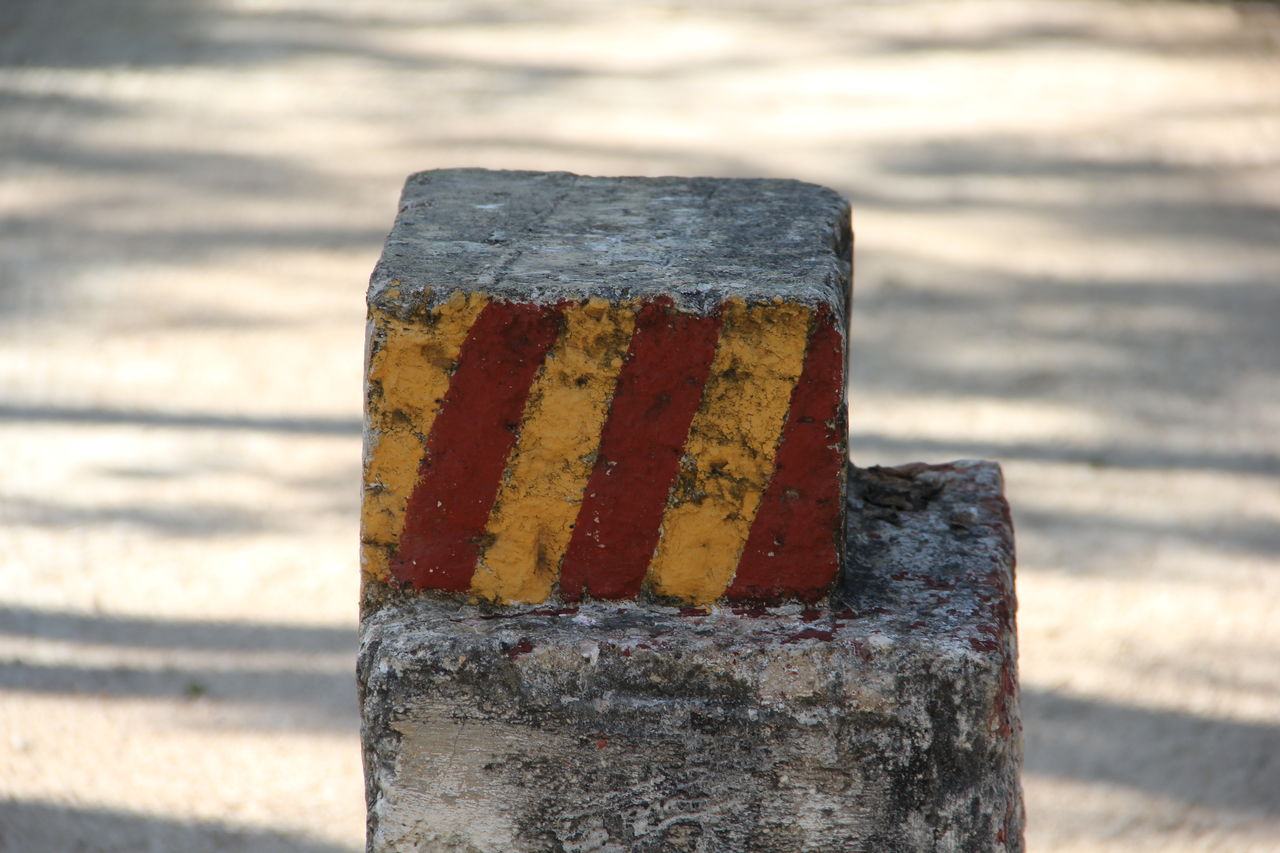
1068,222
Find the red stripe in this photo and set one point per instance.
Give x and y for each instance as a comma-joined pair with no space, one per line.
791,551
658,391
469,444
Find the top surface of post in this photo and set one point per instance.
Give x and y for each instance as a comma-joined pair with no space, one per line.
607,388
550,236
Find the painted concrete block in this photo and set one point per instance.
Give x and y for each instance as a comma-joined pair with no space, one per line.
888,721
607,389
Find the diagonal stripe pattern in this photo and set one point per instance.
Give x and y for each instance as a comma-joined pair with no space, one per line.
658,392
469,443
606,451
729,452
533,516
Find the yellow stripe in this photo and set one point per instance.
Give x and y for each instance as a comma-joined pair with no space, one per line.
728,457
410,364
532,518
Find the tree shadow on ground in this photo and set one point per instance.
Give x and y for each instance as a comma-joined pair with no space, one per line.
1190,758
211,662
27,826
198,634
190,519
93,416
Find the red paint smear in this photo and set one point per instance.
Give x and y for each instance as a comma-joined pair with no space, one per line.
658,391
469,444
791,550
1003,710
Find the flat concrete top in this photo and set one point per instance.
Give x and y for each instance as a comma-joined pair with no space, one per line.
551,236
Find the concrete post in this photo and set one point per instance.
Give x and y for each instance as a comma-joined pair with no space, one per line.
606,599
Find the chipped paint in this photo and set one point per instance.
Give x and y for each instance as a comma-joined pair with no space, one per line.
410,363
641,442
794,548
469,444
542,488
729,454
517,446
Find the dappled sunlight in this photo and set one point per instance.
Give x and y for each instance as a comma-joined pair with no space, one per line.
1096,817
1068,250
52,824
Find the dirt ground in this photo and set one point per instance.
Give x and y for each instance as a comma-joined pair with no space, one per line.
1068,225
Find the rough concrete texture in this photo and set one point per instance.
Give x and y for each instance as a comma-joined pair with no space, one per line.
549,237
607,388
888,722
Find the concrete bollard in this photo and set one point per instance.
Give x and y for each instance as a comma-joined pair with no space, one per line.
606,600
608,388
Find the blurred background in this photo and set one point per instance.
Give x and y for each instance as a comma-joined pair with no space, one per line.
1068,260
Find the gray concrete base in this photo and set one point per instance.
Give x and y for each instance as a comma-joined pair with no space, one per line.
886,722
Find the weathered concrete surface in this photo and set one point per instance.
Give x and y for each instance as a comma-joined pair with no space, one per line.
887,722
549,237
606,388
